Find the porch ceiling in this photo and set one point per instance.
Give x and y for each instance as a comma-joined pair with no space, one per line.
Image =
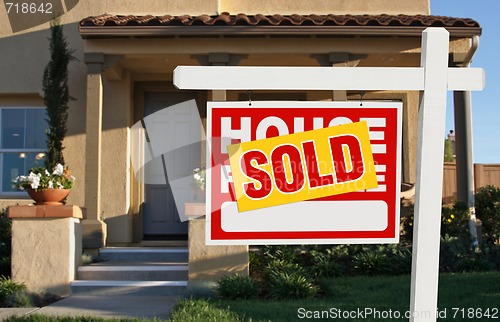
165,64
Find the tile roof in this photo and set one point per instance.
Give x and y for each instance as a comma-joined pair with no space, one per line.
270,23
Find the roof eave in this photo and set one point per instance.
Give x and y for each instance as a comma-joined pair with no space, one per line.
159,31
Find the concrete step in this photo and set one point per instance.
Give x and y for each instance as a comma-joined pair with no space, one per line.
134,272
121,263
144,254
103,287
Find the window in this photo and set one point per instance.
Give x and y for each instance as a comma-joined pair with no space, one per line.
22,143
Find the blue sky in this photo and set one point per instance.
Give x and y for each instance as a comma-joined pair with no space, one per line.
485,104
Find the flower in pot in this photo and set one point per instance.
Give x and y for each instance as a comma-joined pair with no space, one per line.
47,187
199,178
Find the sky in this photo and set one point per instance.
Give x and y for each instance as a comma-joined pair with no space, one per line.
485,104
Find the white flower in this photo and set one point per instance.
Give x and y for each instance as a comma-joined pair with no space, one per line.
51,184
35,182
197,176
47,172
59,186
59,170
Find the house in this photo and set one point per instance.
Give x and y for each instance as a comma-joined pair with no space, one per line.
126,52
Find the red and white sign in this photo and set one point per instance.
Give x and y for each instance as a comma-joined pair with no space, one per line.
367,216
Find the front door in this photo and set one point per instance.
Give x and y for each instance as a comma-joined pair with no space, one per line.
161,219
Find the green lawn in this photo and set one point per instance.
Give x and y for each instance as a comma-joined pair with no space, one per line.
476,291
479,291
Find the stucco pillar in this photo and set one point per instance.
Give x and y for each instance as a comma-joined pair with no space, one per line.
94,229
341,59
210,263
218,59
46,247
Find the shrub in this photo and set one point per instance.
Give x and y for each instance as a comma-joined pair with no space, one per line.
203,290
323,264
451,252
5,243
277,265
455,221
488,211
281,252
407,224
255,262
8,290
492,252
371,263
399,259
237,287
88,259
20,298
285,285
474,264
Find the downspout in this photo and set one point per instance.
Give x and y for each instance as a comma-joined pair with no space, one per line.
465,159
472,50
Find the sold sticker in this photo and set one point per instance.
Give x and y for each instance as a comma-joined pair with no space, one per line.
302,166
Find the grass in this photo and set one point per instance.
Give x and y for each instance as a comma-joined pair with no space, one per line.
474,290
43,318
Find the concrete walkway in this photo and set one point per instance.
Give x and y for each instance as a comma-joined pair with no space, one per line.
8,312
105,306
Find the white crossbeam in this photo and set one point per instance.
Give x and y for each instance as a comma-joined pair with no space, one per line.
318,78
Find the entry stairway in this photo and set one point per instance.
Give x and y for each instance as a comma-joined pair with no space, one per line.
135,270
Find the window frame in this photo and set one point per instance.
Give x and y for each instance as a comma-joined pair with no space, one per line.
16,194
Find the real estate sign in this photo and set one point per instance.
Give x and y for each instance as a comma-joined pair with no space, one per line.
307,172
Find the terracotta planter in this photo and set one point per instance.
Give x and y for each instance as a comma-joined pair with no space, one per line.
48,197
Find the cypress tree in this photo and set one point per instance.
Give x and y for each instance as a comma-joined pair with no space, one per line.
56,94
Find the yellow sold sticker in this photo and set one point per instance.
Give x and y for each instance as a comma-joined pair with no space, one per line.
302,166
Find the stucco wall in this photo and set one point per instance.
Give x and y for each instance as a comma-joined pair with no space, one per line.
196,7
339,7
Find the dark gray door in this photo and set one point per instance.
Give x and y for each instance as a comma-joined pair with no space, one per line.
159,212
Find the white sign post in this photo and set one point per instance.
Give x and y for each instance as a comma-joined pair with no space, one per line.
434,78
